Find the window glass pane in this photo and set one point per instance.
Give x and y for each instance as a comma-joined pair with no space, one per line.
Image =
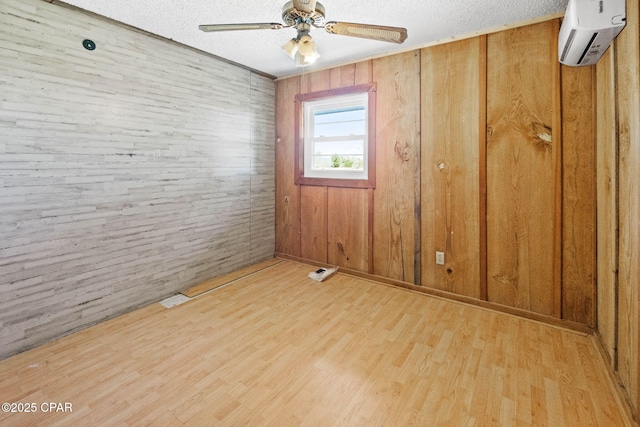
329,155
337,122
338,162
339,147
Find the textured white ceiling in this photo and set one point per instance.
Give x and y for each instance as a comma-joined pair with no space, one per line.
426,21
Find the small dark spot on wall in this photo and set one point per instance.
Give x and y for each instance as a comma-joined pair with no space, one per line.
88,44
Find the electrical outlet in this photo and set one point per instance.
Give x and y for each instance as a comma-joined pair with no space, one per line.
440,258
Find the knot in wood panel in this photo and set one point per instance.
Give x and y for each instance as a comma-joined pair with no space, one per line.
402,152
542,136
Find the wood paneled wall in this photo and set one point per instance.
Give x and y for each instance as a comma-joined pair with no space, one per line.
493,164
618,161
127,173
336,225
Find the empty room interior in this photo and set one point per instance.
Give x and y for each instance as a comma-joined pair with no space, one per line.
431,218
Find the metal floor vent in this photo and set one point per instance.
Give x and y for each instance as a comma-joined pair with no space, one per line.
174,300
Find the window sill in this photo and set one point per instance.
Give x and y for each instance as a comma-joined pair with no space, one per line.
333,182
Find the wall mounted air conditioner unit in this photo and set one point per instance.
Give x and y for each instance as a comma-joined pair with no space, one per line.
588,28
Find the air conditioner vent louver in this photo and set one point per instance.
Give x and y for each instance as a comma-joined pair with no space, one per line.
588,48
567,46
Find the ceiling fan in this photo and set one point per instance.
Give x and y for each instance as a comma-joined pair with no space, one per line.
304,14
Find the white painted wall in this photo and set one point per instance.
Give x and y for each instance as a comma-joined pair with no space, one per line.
127,173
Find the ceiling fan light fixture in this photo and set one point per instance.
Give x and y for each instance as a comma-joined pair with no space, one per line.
307,51
291,47
304,60
306,46
302,50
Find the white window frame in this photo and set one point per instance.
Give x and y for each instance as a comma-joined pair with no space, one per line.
306,106
334,103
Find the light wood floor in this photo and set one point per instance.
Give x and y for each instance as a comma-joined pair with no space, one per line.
276,348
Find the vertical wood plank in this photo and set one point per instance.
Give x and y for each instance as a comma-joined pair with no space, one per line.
482,171
287,195
607,202
556,160
335,78
305,83
319,81
634,52
579,195
363,72
521,173
313,226
397,165
348,225
348,75
451,106
370,218
628,94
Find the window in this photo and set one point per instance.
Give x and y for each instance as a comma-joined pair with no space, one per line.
335,138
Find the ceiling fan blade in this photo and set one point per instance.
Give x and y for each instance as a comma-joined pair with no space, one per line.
238,27
307,6
366,31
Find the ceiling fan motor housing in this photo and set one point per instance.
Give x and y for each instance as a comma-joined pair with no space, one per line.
291,16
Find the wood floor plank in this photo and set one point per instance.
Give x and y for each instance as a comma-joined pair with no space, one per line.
276,348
